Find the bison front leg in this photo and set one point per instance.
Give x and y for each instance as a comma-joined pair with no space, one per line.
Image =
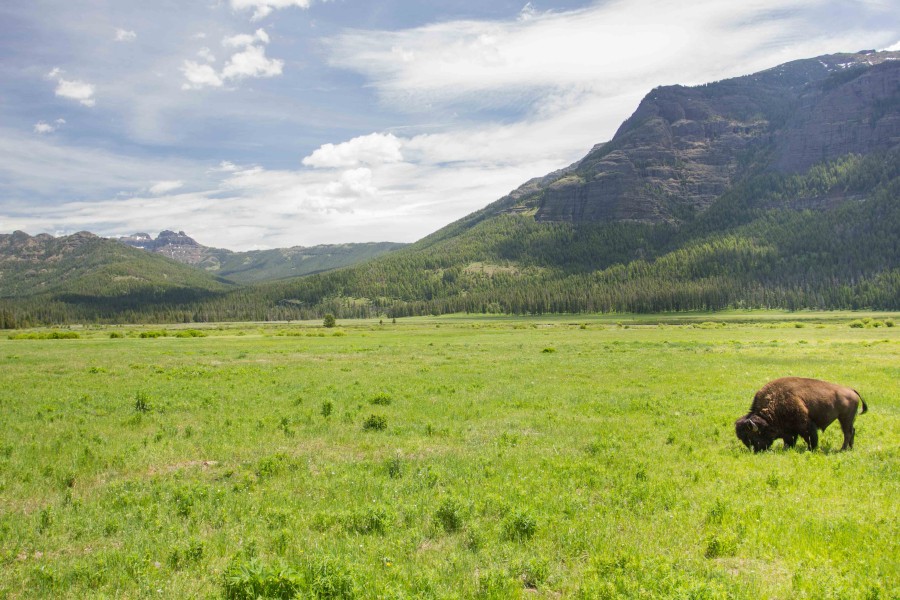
812,436
790,441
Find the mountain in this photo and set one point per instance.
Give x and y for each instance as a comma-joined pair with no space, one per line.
777,189
52,278
258,265
684,147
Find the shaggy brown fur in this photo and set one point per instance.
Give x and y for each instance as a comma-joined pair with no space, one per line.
796,406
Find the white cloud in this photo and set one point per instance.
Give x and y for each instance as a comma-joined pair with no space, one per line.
252,62
164,187
528,12
372,149
594,52
123,35
894,48
72,89
199,75
206,54
355,183
262,8
42,127
245,39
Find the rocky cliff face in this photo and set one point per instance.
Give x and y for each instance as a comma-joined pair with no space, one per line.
684,147
177,246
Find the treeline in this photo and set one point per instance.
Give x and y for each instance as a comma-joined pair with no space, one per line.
827,239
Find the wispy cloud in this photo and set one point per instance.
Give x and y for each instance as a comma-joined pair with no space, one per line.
43,127
124,35
596,51
164,187
262,8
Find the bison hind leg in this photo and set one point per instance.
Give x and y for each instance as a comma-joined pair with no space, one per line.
849,433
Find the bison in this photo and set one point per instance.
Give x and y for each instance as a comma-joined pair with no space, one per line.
796,406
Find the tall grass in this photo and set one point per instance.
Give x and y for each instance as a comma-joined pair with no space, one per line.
449,458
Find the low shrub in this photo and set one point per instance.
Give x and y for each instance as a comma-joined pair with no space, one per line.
252,580
375,423
380,399
449,515
141,402
520,526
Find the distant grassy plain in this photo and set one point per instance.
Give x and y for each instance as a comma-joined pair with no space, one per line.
453,457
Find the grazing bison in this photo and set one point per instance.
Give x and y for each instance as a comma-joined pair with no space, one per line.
795,406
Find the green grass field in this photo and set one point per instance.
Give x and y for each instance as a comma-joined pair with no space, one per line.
568,457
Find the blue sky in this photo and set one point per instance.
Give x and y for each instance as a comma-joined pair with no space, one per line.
272,123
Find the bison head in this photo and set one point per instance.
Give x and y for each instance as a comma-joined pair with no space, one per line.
755,432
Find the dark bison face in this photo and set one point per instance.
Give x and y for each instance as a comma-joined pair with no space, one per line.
755,432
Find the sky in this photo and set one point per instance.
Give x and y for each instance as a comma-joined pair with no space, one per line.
254,124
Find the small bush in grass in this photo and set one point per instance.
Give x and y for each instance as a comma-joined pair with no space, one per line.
327,408
373,520
888,322
449,515
184,556
329,320
190,333
857,324
718,546
495,583
533,573
326,578
114,335
548,350
520,526
152,334
141,402
380,399
394,467
252,580
375,423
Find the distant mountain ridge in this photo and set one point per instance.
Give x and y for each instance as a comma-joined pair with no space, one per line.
257,265
61,277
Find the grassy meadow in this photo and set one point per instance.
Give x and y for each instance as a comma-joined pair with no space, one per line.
455,457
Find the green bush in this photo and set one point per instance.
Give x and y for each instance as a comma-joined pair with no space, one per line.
252,580
329,320
449,515
141,402
380,399
375,423
520,525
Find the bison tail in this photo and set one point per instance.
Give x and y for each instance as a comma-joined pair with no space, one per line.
865,408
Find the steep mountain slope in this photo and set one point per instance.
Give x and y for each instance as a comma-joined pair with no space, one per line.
684,147
258,265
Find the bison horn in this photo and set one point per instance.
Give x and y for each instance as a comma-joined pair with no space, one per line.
754,426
